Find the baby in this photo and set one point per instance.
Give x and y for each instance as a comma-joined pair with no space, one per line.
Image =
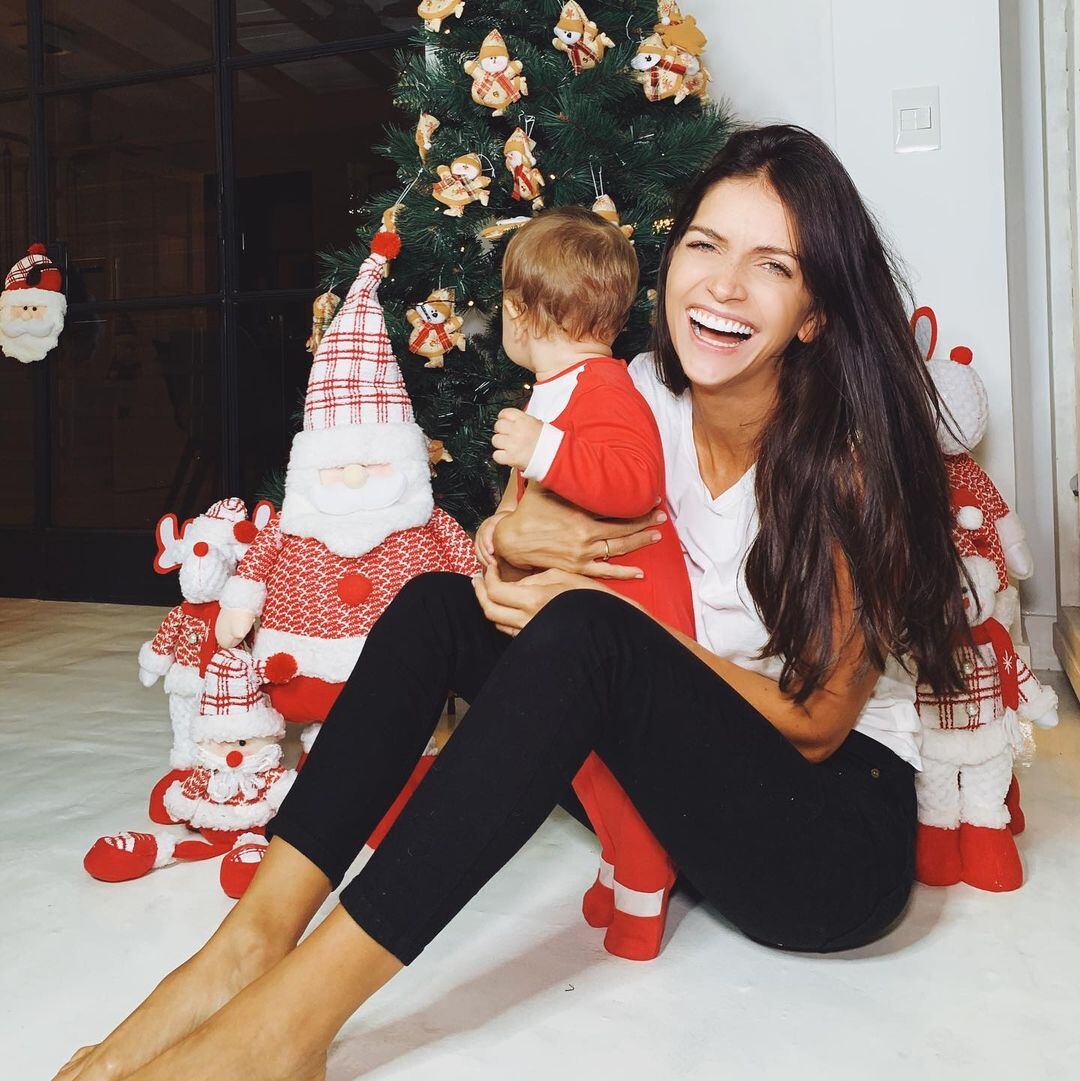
569,279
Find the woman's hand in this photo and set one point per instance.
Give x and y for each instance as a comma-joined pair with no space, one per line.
510,605
546,531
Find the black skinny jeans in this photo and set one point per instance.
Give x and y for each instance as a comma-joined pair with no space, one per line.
796,855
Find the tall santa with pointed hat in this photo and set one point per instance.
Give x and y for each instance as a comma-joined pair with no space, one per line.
358,518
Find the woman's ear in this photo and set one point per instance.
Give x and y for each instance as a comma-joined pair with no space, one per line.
812,326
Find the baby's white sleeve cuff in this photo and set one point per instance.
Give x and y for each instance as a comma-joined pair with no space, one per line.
543,455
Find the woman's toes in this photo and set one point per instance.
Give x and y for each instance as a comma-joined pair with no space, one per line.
70,1070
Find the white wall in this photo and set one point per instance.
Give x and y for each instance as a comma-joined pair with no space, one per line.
831,66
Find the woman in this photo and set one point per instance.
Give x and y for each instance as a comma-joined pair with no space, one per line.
774,759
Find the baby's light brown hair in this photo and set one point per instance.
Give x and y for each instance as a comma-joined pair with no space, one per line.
571,271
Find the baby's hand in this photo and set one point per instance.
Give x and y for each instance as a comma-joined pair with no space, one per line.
485,538
516,434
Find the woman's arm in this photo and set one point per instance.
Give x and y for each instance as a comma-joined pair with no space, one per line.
546,531
816,728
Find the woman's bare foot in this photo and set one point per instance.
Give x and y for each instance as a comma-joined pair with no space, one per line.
183,1000
279,1027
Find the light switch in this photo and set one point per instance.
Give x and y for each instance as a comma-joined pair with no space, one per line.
916,119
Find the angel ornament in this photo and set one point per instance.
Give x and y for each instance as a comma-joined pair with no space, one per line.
460,183
582,40
521,161
497,80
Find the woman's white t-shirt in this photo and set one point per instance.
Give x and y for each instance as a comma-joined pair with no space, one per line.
716,535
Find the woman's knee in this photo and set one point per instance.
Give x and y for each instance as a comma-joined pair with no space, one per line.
579,617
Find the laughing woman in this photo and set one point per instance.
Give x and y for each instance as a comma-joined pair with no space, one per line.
773,758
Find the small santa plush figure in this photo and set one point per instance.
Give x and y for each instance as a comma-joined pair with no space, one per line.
32,307
236,787
206,552
358,519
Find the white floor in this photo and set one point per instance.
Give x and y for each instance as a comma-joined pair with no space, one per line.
971,985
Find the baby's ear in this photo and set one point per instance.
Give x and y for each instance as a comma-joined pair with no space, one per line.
515,309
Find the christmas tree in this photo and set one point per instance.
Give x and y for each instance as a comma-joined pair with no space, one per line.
551,109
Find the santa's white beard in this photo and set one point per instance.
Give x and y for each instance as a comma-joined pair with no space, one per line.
343,520
27,340
226,781
202,578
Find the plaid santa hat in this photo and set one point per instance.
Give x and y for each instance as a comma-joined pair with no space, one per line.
233,705
35,270
355,375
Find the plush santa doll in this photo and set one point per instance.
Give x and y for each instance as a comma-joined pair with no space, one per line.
235,788
32,307
970,738
206,551
358,519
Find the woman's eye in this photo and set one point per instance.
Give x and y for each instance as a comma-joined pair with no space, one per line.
779,268
701,245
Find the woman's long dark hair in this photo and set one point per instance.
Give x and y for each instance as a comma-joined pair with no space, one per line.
848,463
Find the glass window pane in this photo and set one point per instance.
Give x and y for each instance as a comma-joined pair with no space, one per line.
273,368
133,188
16,442
136,417
14,182
85,40
300,166
272,25
14,59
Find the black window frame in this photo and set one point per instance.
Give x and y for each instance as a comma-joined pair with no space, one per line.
53,562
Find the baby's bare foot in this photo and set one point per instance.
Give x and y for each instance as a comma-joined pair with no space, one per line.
176,1007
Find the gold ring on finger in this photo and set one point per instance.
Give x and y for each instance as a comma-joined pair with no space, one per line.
607,551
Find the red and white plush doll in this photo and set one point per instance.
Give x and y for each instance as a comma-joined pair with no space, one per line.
983,523
969,741
206,551
994,531
235,788
358,518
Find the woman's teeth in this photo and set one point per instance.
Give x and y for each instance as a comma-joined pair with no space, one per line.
717,329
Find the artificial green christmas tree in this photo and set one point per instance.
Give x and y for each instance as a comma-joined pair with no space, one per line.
517,107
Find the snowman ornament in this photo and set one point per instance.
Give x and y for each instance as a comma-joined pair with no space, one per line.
461,183
496,79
